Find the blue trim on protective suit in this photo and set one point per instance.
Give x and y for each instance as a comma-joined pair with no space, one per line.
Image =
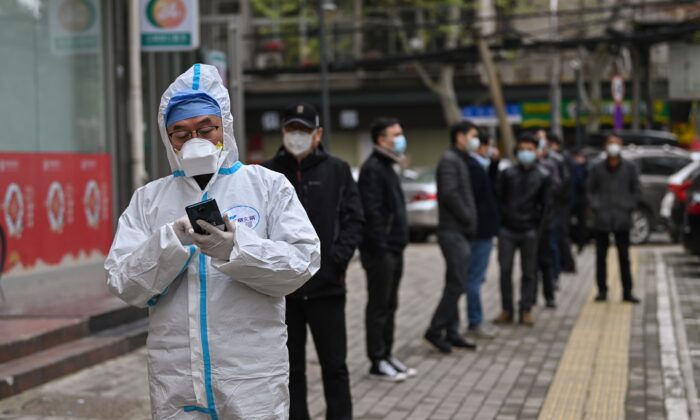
232,170
205,334
154,300
191,408
204,331
195,81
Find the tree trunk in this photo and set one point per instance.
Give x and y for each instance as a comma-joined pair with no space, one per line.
447,95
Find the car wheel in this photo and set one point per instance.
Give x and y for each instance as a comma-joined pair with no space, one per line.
641,227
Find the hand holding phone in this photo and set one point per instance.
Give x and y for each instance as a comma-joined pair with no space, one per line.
209,212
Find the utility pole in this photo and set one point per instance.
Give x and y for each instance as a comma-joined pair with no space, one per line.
555,81
138,160
324,5
235,62
636,87
497,97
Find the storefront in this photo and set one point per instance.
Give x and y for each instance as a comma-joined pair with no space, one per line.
55,166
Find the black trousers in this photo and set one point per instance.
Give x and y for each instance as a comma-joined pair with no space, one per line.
508,243
568,263
622,241
383,279
544,265
326,320
456,251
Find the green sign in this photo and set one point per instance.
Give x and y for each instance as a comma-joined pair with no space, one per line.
538,113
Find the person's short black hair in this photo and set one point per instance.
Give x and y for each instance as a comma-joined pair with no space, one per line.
380,125
526,138
461,127
554,138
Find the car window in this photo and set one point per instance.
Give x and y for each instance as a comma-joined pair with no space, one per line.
662,165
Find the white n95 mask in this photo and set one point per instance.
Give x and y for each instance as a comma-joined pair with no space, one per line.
297,142
199,157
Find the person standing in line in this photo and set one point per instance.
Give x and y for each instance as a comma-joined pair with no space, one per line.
523,194
457,226
546,256
613,193
483,172
579,174
565,203
381,251
326,189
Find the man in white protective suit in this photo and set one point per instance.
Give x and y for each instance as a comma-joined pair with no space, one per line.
217,336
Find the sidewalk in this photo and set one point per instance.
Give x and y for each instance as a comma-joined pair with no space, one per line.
617,357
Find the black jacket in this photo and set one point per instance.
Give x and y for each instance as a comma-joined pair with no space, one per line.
330,197
386,227
612,195
456,208
524,197
484,189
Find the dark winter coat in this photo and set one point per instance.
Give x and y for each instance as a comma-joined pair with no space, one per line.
386,226
326,189
524,197
484,190
612,195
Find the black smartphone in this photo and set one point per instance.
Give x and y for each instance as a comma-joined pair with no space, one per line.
208,211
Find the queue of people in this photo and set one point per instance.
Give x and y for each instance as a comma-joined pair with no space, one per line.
230,302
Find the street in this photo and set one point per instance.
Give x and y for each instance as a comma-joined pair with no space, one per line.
583,360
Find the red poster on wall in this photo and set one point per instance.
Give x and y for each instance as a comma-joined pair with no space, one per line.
54,207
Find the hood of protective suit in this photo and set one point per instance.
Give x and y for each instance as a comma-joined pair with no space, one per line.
205,78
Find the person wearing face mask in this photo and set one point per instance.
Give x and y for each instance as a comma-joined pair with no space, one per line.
562,242
456,227
217,336
524,198
326,189
381,251
547,257
613,193
483,163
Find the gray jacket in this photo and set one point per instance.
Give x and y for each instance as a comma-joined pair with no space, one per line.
613,195
456,208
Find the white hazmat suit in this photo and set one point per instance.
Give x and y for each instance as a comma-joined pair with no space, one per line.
217,336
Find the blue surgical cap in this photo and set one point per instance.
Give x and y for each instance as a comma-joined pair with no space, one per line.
188,104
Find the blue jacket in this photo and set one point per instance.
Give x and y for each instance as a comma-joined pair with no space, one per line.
483,188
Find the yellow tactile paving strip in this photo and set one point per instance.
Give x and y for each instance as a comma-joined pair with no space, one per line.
591,379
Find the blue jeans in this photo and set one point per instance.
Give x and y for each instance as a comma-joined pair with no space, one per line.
478,265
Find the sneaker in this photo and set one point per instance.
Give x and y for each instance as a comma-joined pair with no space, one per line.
631,299
461,343
384,371
483,330
401,367
438,343
504,318
601,297
527,319
551,304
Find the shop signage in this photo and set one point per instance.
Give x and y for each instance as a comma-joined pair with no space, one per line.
74,26
169,25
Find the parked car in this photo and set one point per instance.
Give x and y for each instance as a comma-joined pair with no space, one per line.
635,137
656,164
691,218
673,205
420,191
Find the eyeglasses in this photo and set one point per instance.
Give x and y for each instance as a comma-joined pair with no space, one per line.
203,133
